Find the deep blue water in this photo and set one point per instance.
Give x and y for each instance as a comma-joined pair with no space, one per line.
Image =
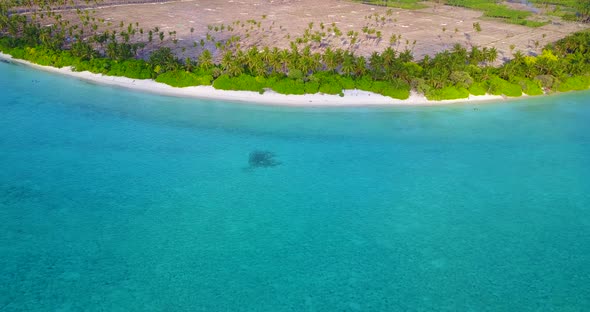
112,200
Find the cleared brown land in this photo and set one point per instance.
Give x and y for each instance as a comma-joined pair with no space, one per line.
433,29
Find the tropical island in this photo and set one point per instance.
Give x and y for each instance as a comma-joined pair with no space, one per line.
442,50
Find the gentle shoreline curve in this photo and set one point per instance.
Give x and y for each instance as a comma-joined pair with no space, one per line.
351,98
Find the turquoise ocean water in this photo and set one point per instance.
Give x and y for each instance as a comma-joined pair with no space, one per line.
112,200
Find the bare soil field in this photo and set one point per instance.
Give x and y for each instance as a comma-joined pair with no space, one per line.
424,31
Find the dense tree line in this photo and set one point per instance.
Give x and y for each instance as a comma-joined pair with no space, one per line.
393,72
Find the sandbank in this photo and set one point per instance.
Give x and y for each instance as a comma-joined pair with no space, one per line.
351,97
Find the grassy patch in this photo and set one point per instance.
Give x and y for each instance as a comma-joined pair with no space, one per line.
402,4
499,11
527,23
570,4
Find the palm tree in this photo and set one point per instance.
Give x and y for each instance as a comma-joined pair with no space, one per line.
227,60
251,57
491,55
306,61
348,65
253,61
577,63
206,60
275,61
360,66
459,50
329,60
266,55
339,56
406,56
316,61
475,55
376,62
285,61
388,56
257,67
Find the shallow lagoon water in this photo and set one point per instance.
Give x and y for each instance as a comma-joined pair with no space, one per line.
111,200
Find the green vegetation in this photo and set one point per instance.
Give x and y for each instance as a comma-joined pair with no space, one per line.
447,93
500,11
182,78
499,86
574,10
530,86
478,88
574,83
242,82
402,4
452,74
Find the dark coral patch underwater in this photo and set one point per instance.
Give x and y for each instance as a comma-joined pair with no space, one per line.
262,159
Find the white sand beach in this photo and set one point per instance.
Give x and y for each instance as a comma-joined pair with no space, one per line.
350,98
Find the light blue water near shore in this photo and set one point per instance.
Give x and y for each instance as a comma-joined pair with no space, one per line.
112,200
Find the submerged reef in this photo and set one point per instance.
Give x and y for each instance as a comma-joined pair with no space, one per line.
11,194
262,159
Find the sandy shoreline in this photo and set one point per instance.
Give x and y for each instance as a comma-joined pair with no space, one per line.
350,98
